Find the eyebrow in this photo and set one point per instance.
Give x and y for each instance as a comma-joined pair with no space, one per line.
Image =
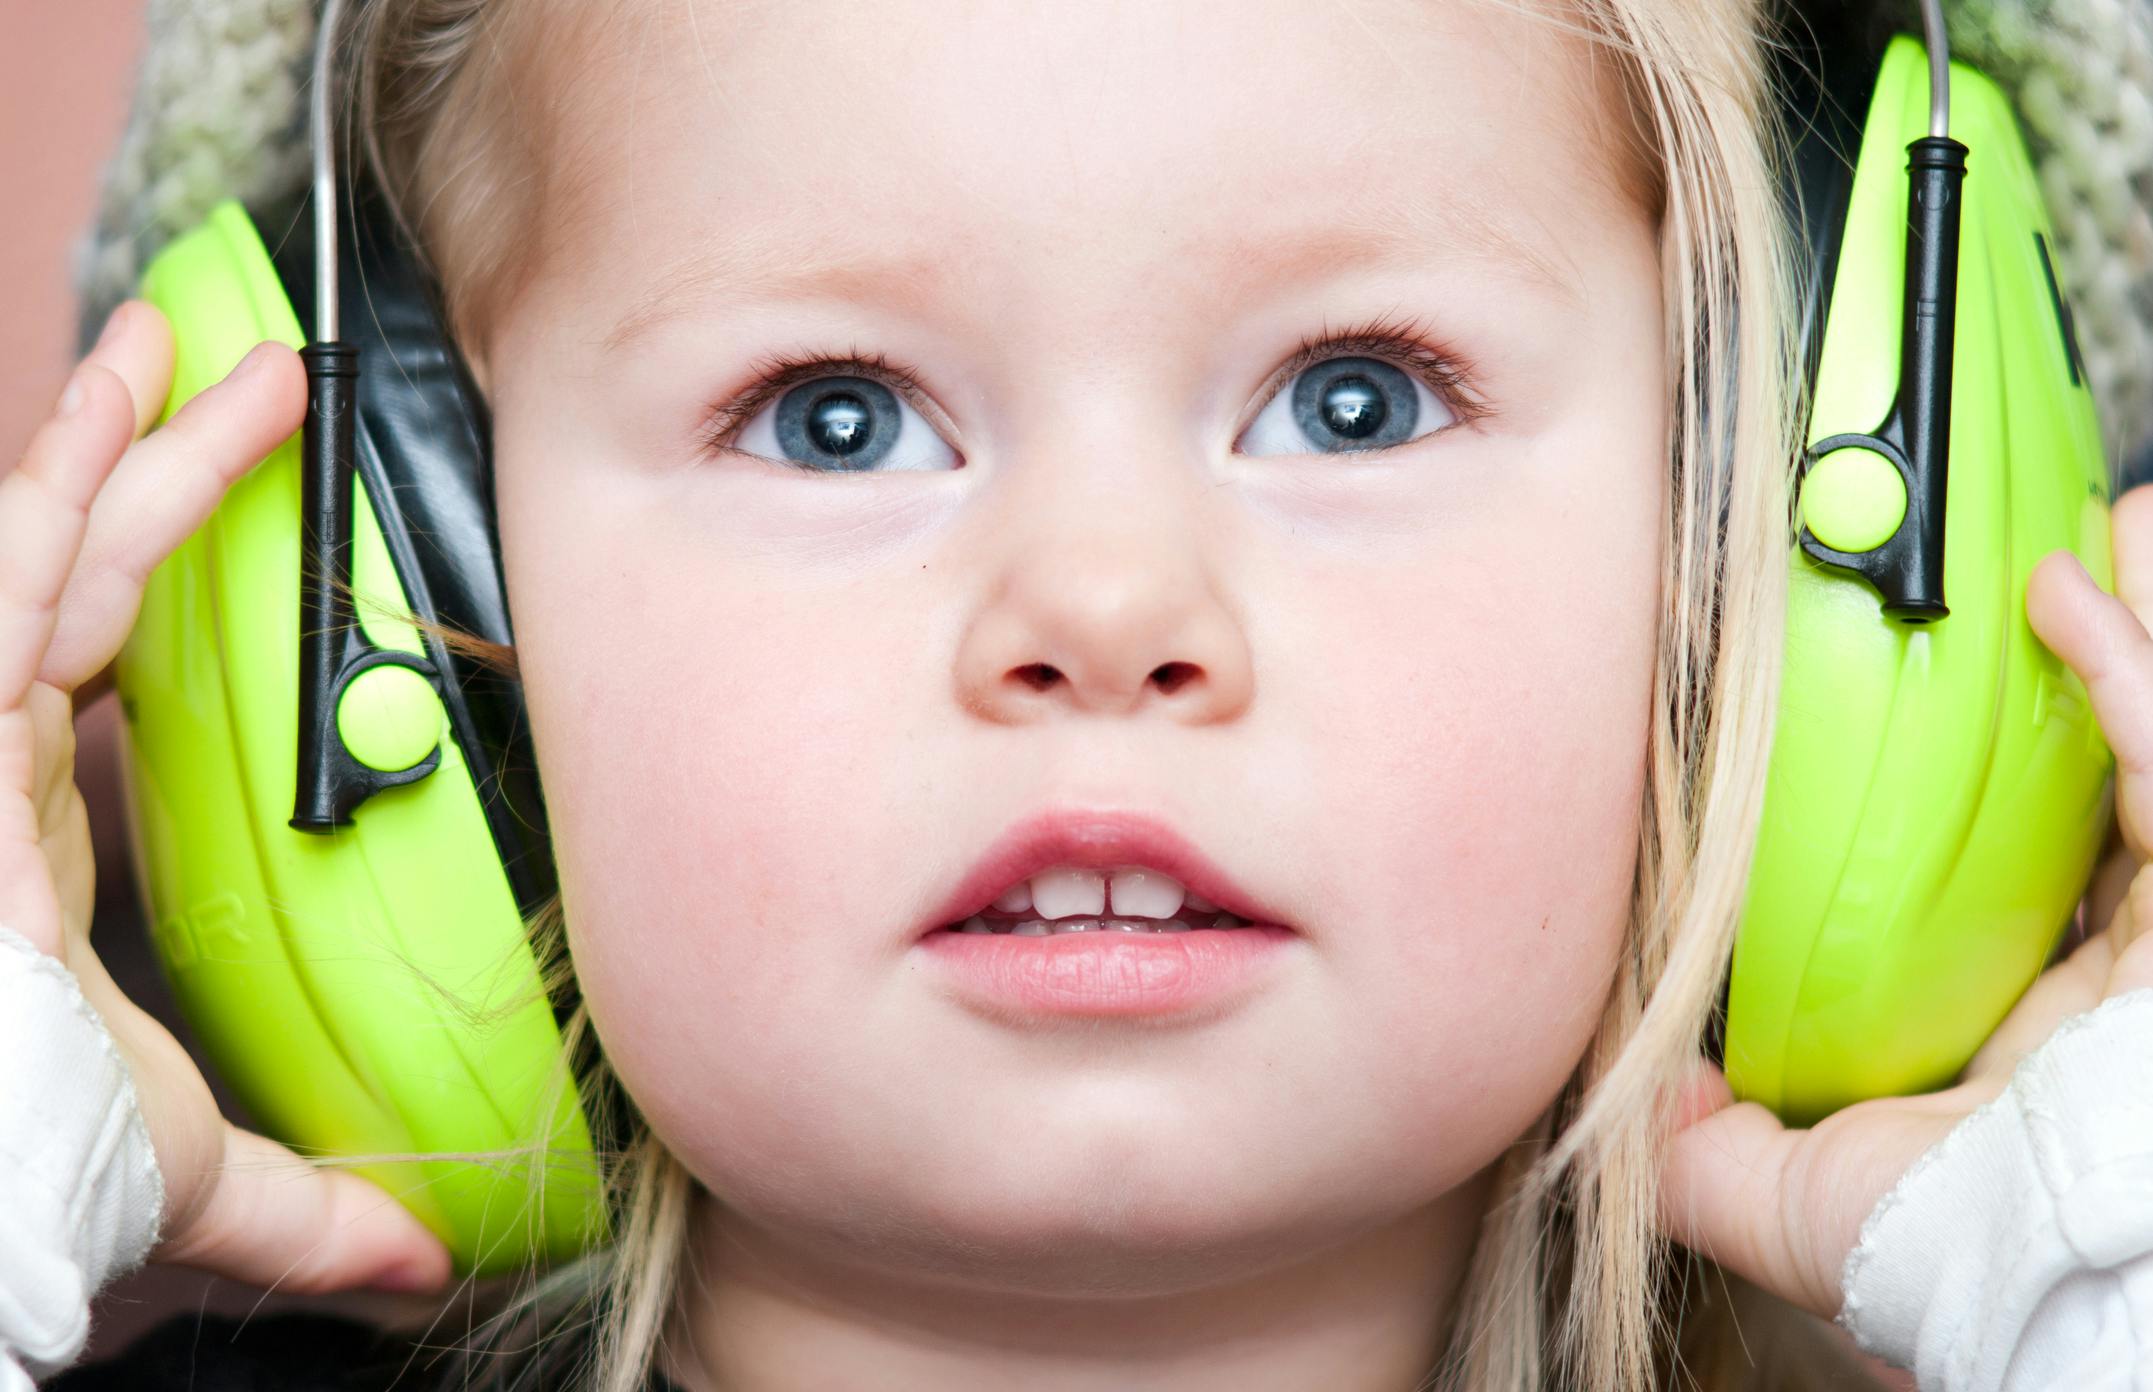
1394,235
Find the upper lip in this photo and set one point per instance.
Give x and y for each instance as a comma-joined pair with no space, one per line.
1098,840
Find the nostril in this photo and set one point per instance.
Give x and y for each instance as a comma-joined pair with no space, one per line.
1038,675
1171,676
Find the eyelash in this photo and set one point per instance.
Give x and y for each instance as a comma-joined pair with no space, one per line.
774,372
1402,341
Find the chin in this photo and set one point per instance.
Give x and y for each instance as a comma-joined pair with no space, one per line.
1058,1234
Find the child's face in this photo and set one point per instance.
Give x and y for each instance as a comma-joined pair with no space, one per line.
781,713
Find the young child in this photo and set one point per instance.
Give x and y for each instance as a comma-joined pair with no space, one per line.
1471,727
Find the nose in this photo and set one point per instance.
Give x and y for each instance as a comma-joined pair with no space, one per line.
1102,601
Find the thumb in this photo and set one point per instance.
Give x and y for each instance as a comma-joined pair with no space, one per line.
1697,1094
272,1220
1723,1190
239,1204
1783,1207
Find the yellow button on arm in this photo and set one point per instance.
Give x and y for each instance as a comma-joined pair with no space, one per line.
1853,499
389,718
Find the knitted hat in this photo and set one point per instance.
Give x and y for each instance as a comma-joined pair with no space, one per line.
217,114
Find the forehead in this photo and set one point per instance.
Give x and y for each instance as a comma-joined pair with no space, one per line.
791,148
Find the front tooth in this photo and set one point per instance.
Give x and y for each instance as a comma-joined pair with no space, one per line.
1076,925
1031,928
1146,894
1016,899
1061,893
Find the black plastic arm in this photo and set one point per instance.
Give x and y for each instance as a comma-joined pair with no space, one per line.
1908,569
333,649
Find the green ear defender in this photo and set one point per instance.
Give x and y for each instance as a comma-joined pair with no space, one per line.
339,832
1938,790
337,823
364,988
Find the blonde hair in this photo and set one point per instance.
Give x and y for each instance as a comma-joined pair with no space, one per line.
1570,1283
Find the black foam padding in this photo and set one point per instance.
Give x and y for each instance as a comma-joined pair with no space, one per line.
1825,71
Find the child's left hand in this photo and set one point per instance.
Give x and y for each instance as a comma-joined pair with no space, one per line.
1783,1208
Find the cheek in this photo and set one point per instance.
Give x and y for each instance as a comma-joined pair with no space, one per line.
731,796
1480,777
728,845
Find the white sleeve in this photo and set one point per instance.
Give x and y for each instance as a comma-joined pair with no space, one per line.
2017,1252
81,1197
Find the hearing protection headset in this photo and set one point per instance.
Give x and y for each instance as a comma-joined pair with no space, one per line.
339,830
1938,789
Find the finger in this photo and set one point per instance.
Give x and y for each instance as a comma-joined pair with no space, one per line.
274,1221
137,346
161,493
44,513
2131,941
2130,526
28,902
2105,644
2111,880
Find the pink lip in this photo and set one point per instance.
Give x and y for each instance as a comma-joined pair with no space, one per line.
1105,973
1098,840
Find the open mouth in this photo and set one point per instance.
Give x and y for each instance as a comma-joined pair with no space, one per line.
1132,920
1072,899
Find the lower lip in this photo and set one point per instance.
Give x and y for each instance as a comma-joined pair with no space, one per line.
1106,973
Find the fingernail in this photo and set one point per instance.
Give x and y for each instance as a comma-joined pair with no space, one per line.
71,398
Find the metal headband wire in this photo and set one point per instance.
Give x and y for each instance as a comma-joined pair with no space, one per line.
321,127
1939,46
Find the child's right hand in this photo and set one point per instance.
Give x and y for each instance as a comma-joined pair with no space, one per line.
91,510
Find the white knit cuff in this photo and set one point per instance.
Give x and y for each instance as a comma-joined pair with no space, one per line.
2049,1181
81,1198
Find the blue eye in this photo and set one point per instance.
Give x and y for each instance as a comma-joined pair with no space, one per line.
1345,404
844,424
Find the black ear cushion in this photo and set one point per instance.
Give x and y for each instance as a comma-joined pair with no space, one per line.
1825,68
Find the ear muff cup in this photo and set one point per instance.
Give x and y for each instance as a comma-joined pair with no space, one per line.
371,990
1938,792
